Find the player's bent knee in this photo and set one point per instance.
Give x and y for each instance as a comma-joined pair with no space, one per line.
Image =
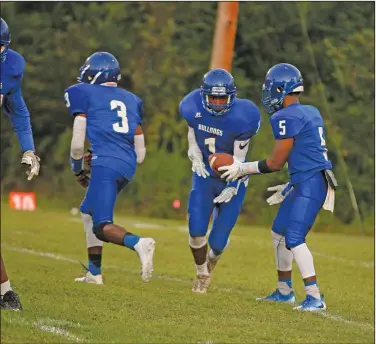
99,231
197,242
218,246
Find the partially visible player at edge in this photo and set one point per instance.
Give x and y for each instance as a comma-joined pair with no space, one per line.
300,140
218,122
111,117
12,68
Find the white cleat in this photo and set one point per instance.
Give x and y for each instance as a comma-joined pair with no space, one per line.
201,284
90,278
145,250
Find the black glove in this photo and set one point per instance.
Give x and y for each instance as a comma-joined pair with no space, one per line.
83,178
87,158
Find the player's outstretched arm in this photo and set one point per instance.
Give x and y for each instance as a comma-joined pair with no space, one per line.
16,109
139,145
274,163
77,150
231,190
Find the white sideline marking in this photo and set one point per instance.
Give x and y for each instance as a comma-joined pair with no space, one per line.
350,262
346,321
144,225
56,330
45,325
175,279
59,322
260,243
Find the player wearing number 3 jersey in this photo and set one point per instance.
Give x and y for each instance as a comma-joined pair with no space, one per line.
300,140
218,122
111,118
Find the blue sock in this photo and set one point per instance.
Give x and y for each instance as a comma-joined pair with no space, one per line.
95,264
288,281
307,284
285,285
130,240
312,288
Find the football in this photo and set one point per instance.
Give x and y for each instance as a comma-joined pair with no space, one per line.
217,160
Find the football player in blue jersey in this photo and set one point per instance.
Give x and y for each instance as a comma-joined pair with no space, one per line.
12,69
111,118
218,122
300,141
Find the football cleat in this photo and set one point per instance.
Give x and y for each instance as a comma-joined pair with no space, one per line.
145,250
201,284
10,300
277,296
311,304
90,278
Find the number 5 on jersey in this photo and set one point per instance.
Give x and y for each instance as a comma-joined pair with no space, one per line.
282,126
122,113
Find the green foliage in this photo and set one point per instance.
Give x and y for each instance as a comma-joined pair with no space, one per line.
164,50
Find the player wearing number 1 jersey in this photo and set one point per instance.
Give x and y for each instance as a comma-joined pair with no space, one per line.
300,141
111,118
218,122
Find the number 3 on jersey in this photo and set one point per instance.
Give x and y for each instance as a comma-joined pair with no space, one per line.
122,113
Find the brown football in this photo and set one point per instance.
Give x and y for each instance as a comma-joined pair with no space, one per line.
218,160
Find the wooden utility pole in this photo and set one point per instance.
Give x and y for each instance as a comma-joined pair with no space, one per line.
224,36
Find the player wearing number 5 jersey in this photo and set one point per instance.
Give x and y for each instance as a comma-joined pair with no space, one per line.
218,122
300,141
111,118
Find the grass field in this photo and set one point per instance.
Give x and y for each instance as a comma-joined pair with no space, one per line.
42,250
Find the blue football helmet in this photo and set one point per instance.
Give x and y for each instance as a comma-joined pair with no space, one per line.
99,68
4,38
218,83
280,80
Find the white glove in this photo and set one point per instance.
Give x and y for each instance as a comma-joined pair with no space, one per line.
29,158
226,195
234,171
281,192
198,165
229,192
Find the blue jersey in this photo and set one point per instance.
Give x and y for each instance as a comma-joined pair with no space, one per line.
113,115
309,154
217,134
11,98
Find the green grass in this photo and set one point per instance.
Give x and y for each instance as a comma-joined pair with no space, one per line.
42,250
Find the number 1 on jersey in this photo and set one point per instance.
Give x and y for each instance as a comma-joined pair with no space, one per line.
211,143
122,113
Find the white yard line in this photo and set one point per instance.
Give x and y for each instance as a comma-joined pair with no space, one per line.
258,242
350,262
59,322
54,256
363,325
57,330
46,325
